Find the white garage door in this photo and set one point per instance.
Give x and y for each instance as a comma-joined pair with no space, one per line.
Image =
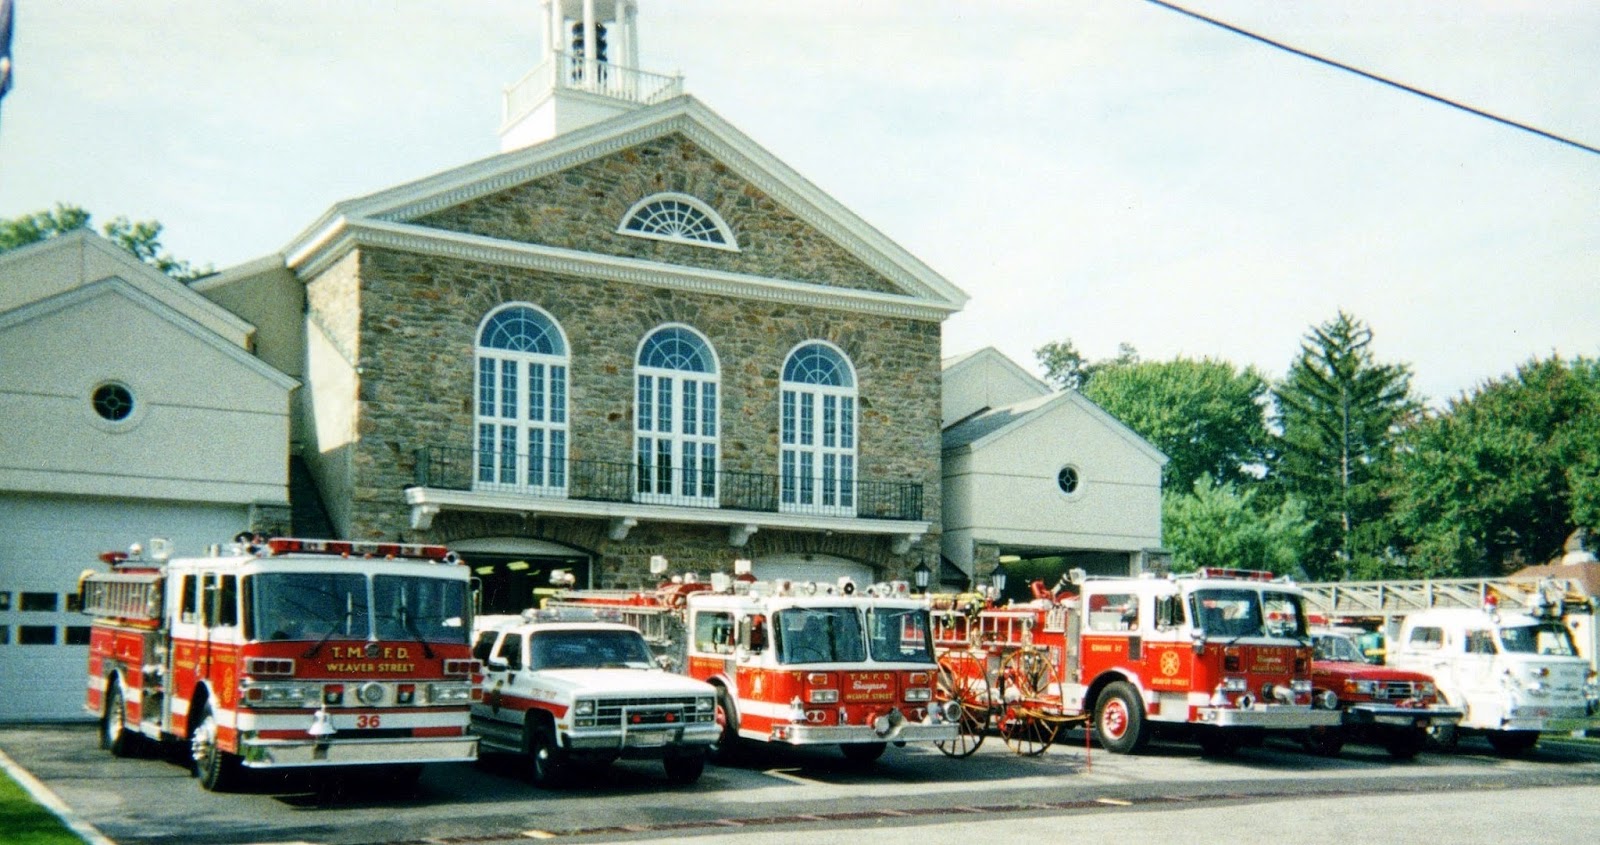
45,543
819,568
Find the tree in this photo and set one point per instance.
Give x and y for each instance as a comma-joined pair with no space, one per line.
142,238
1221,525
1066,368
1504,475
1207,416
1339,412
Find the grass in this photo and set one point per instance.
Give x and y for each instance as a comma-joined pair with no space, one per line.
25,822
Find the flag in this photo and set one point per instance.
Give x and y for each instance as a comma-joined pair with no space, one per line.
5,47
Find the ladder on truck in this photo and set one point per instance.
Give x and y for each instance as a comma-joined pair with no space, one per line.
1390,600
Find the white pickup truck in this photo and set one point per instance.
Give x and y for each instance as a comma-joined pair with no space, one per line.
1516,675
560,692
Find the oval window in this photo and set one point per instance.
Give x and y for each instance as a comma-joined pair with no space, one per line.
1067,480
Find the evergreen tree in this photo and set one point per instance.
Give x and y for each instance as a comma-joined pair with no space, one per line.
1338,414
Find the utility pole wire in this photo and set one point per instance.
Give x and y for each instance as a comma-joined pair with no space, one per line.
1375,78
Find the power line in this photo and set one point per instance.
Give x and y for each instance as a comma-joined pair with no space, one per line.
1410,89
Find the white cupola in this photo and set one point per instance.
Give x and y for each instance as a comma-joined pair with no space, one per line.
588,71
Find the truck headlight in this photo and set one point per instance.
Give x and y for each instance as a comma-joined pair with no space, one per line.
1234,684
919,694
273,695
1300,686
822,696
705,705
1361,687
583,707
449,693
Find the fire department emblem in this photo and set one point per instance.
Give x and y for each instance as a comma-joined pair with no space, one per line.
1170,663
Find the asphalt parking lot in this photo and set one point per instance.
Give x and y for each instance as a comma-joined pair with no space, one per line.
154,800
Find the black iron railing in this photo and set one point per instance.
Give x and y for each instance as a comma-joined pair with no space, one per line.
457,468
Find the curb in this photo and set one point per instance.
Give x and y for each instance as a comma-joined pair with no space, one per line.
52,802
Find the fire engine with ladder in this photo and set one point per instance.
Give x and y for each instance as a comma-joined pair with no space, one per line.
289,654
794,663
1222,656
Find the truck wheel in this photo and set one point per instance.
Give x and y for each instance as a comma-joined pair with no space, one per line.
217,769
1406,743
1324,741
1444,736
114,734
1513,743
684,768
1119,721
547,763
726,749
863,753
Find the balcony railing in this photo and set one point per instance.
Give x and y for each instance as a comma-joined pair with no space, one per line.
569,72
456,468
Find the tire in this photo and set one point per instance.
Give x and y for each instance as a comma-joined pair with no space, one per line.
1444,736
727,747
114,733
1324,741
218,770
684,769
863,753
1119,722
547,763
1513,743
1406,743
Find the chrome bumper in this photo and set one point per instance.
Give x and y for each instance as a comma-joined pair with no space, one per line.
652,741
807,734
289,753
1275,717
1390,716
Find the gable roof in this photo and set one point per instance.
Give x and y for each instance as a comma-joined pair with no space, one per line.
82,258
383,219
117,286
989,356
982,429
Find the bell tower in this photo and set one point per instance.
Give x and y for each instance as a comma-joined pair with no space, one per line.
588,71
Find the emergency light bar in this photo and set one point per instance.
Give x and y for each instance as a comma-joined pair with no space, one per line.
1236,574
360,548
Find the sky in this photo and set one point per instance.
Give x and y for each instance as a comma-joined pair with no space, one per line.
1104,171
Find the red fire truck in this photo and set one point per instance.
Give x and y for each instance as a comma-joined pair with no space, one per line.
290,654
797,664
1221,655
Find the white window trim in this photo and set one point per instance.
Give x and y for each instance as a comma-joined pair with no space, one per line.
729,244
522,426
707,380
816,449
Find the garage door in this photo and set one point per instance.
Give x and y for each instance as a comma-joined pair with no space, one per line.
45,543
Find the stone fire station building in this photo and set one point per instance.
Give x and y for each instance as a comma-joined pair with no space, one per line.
632,333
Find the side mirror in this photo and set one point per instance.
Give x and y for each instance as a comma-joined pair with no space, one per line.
498,664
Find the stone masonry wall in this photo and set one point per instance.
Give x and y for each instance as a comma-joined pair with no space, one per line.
419,316
581,209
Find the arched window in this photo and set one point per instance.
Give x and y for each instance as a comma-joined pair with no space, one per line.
679,218
817,432
521,415
675,420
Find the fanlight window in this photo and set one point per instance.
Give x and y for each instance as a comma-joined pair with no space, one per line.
817,432
675,424
521,415
678,218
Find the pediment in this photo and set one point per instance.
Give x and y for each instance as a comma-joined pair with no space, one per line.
558,205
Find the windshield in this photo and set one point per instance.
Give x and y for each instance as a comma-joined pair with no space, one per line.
1240,612
408,607
1544,638
340,605
820,635
1338,647
900,635
588,650
306,605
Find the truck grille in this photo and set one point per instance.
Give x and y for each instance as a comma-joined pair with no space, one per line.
1396,690
649,711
